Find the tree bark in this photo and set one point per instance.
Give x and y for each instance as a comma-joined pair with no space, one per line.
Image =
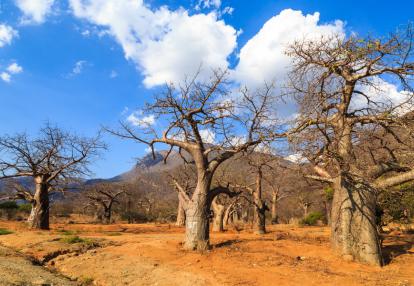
39,215
274,208
260,208
218,218
107,215
180,213
353,222
197,216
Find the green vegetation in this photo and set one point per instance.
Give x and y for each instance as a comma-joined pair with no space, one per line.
396,204
329,193
5,231
66,232
25,208
8,205
312,218
76,239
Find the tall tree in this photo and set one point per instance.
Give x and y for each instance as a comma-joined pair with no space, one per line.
52,159
209,122
342,87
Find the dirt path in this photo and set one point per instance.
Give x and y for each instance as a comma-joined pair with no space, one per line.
16,270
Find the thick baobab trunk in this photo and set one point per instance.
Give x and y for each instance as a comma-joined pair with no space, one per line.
353,222
260,207
39,215
180,213
218,218
197,217
274,208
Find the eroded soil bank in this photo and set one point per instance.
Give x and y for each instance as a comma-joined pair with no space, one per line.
147,254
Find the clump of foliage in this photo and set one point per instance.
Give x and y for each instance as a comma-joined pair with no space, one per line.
9,205
312,218
25,208
76,239
329,193
5,231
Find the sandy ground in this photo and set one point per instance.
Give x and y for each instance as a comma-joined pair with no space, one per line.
147,254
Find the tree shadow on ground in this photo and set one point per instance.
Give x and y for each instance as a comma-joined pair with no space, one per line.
397,246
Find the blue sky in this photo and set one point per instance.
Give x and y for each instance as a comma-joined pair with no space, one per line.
75,65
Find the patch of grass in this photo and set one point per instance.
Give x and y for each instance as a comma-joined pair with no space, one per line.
4,231
76,239
66,232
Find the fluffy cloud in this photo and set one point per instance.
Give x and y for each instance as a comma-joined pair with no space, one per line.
145,121
263,57
14,68
208,136
166,45
34,11
383,95
7,34
5,76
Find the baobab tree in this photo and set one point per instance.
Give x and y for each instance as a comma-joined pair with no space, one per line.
201,120
52,159
344,87
103,196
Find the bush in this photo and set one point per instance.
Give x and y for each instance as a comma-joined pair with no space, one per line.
27,208
312,218
5,231
8,205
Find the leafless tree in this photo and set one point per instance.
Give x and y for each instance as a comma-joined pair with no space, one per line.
192,111
52,159
103,196
339,86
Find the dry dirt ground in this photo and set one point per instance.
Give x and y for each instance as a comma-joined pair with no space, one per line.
148,254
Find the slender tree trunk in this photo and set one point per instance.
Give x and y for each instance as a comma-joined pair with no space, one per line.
197,216
259,226
274,208
39,215
227,215
353,223
180,213
327,205
218,211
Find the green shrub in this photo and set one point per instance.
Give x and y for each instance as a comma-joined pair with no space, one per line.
5,231
312,218
9,205
76,239
25,208
329,193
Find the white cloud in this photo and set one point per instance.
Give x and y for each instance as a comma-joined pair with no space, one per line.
296,158
227,10
166,45
206,4
5,76
78,67
14,68
263,57
7,34
208,136
34,11
145,121
382,95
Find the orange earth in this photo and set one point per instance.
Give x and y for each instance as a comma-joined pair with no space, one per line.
151,254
